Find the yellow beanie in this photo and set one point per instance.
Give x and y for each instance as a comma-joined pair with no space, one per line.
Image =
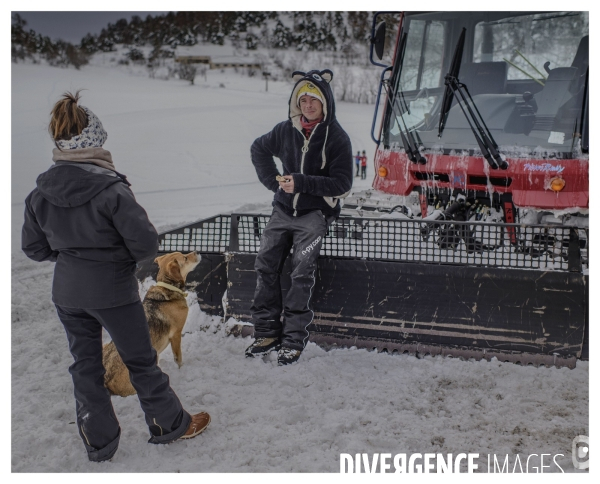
309,89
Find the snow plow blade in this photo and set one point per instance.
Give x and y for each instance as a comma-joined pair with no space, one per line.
406,286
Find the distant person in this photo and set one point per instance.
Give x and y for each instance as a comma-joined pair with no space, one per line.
363,166
84,217
316,155
357,163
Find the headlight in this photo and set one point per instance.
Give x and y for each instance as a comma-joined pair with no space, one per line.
557,184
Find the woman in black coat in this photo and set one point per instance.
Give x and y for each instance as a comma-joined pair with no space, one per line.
84,217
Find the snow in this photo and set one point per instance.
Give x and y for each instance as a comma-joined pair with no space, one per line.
185,150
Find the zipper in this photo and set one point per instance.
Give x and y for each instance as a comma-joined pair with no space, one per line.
161,430
304,151
86,439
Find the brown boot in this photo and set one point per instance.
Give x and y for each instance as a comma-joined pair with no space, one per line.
198,425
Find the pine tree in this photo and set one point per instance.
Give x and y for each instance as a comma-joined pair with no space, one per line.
340,29
88,44
19,39
328,40
281,37
359,25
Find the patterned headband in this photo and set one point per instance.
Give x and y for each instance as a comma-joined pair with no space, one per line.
92,136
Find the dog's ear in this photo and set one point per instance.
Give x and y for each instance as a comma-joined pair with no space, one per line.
174,270
158,259
327,75
297,75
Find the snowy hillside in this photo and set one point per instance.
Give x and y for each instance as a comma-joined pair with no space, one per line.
185,150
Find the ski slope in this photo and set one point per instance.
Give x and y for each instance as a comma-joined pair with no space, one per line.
185,150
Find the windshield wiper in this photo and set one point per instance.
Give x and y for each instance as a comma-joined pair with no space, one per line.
409,142
454,87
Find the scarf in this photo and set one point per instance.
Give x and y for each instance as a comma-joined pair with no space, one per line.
97,156
308,126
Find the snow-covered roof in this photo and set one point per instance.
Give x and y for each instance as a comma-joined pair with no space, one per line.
217,54
205,50
234,59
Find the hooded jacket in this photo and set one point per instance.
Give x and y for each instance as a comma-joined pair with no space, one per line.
321,165
87,220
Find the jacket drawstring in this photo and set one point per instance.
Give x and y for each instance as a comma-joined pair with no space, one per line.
324,144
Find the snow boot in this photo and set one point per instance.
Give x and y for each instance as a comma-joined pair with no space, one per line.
198,425
287,356
262,347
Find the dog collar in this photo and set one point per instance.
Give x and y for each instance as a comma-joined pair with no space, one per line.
172,288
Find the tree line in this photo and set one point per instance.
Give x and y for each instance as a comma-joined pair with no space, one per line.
27,44
301,31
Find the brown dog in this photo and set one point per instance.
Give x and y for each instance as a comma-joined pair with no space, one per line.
166,311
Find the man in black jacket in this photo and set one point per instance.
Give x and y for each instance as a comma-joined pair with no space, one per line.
316,155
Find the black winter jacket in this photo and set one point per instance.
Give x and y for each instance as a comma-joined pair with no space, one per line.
87,220
321,166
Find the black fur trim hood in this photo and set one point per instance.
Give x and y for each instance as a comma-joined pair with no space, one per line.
321,80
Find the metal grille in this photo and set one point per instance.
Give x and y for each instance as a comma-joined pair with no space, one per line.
475,244
442,242
208,235
249,230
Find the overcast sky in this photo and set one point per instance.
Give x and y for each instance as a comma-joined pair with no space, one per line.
73,26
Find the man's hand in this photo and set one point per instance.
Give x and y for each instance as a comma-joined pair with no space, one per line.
288,185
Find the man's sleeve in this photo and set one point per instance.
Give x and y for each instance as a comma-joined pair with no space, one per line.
33,240
262,152
339,181
132,222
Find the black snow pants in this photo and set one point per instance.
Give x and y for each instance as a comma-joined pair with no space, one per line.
96,420
305,234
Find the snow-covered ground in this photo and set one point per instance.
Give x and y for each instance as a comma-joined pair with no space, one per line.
186,151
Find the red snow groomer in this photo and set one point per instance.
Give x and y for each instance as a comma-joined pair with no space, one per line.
486,116
473,241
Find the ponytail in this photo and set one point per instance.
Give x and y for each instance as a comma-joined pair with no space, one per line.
67,119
